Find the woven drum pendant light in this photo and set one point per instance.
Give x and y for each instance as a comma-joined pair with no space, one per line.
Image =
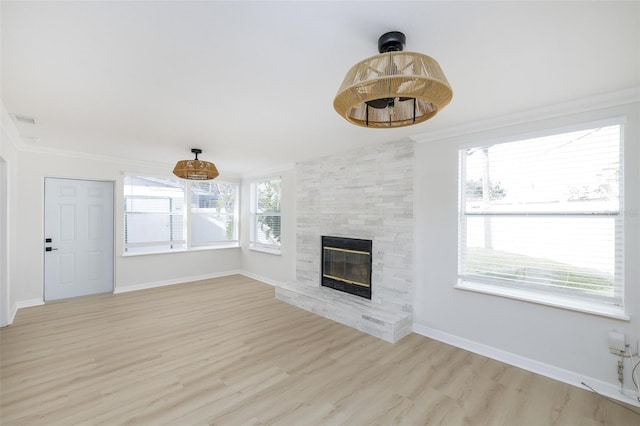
195,169
394,88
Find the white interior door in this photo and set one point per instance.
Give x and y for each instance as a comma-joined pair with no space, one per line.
78,227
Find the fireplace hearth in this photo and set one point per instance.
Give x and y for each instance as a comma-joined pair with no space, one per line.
346,265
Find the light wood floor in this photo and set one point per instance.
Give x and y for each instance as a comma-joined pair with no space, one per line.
224,351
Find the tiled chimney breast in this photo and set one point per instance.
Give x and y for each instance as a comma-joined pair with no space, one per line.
366,194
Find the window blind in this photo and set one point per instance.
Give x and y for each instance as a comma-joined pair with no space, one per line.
213,208
156,218
266,216
543,215
153,214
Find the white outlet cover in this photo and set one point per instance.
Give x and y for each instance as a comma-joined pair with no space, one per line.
616,341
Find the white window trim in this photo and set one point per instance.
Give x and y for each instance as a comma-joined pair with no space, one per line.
548,299
554,300
263,248
272,249
212,245
187,216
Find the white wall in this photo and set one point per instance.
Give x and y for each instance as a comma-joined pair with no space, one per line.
8,154
130,272
553,341
270,268
548,339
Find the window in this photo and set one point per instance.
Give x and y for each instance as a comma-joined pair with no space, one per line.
540,219
153,214
265,215
155,218
213,213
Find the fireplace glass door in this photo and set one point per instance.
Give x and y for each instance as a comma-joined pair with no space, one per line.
346,265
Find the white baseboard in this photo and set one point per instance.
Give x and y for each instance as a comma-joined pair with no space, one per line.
23,304
12,315
556,373
261,278
144,286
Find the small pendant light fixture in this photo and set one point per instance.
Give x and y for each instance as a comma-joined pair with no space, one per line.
394,88
195,169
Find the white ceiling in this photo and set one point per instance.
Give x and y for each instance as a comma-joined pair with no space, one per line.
252,83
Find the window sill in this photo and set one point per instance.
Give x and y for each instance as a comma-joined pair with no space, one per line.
556,301
192,249
263,249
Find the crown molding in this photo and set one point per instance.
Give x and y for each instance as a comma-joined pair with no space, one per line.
619,98
126,162
8,128
127,165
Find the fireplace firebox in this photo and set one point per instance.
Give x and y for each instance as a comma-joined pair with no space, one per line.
346,265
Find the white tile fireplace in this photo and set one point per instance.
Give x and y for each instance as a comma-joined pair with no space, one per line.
365,194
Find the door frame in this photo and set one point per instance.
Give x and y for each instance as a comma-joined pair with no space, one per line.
5,316
43,234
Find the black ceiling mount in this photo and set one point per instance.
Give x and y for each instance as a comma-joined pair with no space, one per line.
196,151
393,41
